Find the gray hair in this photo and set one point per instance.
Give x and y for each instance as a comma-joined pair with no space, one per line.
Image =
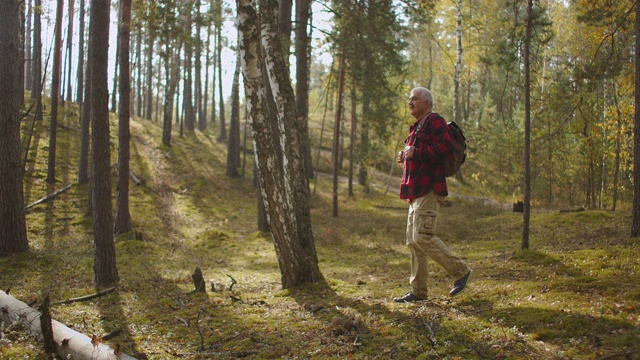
425,94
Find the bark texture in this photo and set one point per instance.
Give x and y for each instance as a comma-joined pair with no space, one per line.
122,222
286,200
13,231
105,253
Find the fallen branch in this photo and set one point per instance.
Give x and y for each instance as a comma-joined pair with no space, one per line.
69,343
135,179
86,297
49,197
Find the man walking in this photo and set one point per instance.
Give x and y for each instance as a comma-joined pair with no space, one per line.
424,187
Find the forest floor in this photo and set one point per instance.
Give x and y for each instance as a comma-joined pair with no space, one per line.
574,295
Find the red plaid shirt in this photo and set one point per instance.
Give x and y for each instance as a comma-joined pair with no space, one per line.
423,172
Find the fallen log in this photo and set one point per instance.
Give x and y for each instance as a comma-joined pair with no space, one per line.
68,342
49,197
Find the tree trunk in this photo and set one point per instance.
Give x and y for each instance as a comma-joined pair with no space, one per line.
55,94
149,78
80,85
223,131
105,252
294,248
352,140
28,77
139,72
115,76
173,72
302,49
635,225
336,135
284,20
70,47
205,95
21,68
234,126
364,141
122,223
37,60
83,172
198,67
616,173
189,117
13,232
527,129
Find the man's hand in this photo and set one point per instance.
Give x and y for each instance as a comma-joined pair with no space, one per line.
408,152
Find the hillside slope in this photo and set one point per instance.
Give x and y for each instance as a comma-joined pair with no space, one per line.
574,295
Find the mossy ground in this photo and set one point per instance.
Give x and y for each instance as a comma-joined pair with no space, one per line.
575,294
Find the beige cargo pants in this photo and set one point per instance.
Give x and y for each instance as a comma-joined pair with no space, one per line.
423,243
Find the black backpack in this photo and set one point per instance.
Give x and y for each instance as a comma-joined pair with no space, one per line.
452,164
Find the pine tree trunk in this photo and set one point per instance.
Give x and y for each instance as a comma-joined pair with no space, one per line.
105,255
55,94
527,129
303,11
28,51
205,95
70,47
37,60
172,69
336,135
149,78
122,221
80,85
352,140
13,232
635,225
83,171
234,126
223,130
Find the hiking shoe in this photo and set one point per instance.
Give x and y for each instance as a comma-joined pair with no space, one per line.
460,284
410,297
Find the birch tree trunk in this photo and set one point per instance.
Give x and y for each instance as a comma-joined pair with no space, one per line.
294,171
290,226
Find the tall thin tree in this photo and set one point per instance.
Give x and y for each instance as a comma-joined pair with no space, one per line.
13,231
70,47
302,49
55,94
527,128
105,270
36,94
635,225
122,221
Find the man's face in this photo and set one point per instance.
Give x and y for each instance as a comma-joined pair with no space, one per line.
417,106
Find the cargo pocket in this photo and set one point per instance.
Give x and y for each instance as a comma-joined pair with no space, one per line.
427,222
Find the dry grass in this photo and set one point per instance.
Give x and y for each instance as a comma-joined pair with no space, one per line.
574,295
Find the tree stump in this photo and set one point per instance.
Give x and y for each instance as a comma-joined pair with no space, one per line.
198,281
